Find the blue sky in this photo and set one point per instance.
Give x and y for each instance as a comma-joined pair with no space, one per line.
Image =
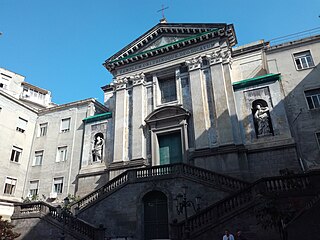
61,45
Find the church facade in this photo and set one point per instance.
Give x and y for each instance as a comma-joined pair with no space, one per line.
187,116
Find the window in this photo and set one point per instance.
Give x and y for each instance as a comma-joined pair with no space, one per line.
43,129
313,98
34,187
4,81
318,138
2,85
38,156
303,60
10,186
22,125
15,154
62,154
65,125
57,185
168,90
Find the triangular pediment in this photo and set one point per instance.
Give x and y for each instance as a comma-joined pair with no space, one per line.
166,37
162,41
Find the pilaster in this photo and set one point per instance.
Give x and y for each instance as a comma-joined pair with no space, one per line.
199,103
121,120
139,101
224,126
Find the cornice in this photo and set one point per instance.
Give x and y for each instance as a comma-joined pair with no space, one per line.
198,32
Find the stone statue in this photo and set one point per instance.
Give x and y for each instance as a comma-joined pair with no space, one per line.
262,118
97,149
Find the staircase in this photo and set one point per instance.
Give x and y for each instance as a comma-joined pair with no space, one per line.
228,208
66,221
206,177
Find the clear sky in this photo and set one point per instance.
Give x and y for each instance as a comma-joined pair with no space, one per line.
61,45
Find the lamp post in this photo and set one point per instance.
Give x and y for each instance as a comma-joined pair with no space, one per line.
182,205
63,211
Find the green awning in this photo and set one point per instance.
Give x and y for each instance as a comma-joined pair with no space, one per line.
256,80
97,117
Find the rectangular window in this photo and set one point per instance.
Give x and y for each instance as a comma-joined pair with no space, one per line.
10,186
303,60
15,154
43,129
318,138
65,125
34,187
168,90
61,154
313,98
57,185
21,125
38,157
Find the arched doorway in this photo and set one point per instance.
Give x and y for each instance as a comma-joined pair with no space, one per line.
155,216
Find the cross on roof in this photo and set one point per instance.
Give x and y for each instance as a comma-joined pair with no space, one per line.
162,10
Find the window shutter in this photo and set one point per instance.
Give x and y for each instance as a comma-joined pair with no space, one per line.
34,184
11,181
58,180
65,124
22,123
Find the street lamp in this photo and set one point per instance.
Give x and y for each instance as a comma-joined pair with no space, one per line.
182,205
63,211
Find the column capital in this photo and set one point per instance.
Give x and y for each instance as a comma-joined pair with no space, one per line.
120,83
138,79
220,56
194,63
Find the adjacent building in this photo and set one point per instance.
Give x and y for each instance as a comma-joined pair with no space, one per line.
41,142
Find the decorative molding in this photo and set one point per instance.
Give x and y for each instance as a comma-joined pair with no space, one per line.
164,38
120,83
220,56
138,79
194,63
167,58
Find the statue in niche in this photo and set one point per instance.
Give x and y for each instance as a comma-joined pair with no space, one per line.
97,151
262,120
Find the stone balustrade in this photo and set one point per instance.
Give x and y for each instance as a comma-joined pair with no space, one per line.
41,209
221,210
173,170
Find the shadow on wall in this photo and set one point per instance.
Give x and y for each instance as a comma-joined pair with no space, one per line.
257,145
305,121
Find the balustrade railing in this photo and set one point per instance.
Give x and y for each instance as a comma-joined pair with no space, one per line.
142,174
230,205
65,217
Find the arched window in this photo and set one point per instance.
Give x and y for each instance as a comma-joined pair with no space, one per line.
155,216
262,119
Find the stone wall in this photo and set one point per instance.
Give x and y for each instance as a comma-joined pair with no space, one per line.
37,228
121,213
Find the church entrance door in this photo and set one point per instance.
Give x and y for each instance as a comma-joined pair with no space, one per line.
155,216
170,148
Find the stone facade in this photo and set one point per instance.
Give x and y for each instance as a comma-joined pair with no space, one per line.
184,102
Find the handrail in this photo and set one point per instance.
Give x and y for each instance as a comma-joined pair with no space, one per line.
245,197
144,174
22,210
